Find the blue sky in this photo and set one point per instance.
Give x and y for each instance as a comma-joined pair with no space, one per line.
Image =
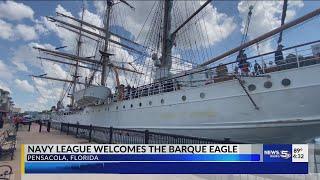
22,25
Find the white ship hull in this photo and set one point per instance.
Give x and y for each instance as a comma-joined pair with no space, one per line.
286,114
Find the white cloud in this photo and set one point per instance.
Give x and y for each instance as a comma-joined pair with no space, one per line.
15,11
22,55
40,27
24,85
5,71
218,26
10,32
66,37
5,86
6,31
25,32
210,24
26,55
133,19
48,93
266,15
100,6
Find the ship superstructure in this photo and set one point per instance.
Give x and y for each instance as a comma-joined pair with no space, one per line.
206,99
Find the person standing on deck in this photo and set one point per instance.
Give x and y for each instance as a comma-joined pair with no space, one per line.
257,68
279,60
242,62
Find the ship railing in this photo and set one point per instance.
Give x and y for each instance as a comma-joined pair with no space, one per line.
293,57
148,90
113,135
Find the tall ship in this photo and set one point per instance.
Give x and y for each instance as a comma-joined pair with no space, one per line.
151,84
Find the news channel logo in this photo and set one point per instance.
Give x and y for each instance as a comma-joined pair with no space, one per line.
277,153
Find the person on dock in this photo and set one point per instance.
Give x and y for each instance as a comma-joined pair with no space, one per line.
16,121
1,121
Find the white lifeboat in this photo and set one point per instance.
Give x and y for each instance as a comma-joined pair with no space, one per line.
91,95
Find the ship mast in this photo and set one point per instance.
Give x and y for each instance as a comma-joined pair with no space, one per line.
283,17
163,70
105,55
165,59
75,76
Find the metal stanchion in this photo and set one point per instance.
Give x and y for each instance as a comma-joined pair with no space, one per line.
40,123
146,137
110,135
30,123
77,131
68,125
90,133
48,126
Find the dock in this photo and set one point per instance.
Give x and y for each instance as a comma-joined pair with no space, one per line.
34,137
70,135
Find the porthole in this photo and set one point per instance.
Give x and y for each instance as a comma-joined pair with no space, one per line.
252,87
150,103
162,101
268,84
286,82
131,105
123,106
140,104
202,95
184,98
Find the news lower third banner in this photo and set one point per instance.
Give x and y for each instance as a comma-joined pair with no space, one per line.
165,158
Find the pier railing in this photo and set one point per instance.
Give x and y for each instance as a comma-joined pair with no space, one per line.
112,135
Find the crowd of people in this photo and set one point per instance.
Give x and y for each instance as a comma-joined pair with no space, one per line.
127,92
244,65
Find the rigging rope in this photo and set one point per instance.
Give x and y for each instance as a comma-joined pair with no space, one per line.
283,17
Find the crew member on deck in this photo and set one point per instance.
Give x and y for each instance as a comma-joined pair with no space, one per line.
257,68
279,60
242,62
128,91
